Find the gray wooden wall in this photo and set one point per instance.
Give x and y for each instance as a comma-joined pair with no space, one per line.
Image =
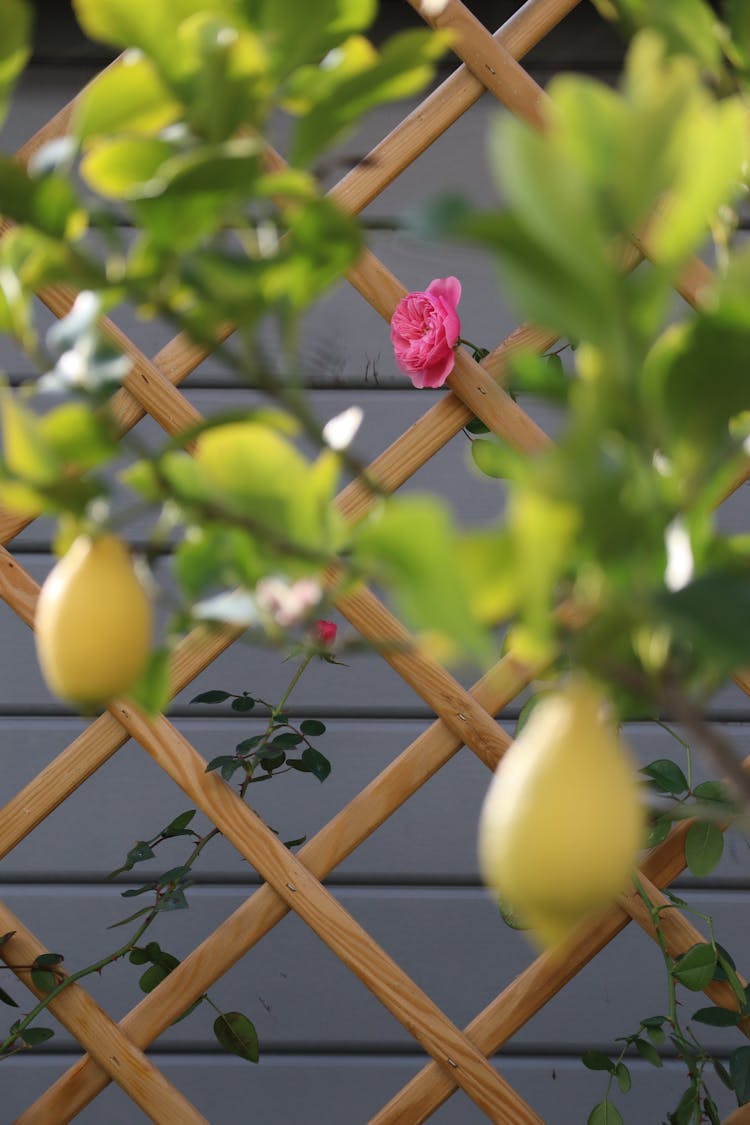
330,1054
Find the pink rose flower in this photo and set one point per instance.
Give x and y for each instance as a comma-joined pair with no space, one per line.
324,632
425,330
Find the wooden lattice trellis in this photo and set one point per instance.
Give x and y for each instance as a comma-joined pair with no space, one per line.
116,1051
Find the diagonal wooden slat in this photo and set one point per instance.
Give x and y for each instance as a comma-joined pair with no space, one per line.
103,1039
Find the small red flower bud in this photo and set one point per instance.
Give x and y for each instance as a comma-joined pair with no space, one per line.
324,632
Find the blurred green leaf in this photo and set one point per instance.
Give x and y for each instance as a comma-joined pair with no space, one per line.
411,544
129,97
126,167
15,47
354,80
710,612
28,453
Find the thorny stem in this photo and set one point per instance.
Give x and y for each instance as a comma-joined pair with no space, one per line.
715,745
6,1047
96,967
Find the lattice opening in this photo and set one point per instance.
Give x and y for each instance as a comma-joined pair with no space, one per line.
116,1052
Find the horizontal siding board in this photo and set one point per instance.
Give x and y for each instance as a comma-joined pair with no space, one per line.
341,1090
450,941
366,686
129,798
473,499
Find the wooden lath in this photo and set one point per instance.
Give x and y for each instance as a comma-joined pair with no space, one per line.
463,717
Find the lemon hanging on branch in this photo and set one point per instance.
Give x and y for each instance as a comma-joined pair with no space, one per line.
93,623
562,822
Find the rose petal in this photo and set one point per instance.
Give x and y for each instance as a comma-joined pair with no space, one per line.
447,288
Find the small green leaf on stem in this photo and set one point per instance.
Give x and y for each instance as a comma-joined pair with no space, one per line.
695,969
237,1034
739,1070
605,1114
647,1051
704,847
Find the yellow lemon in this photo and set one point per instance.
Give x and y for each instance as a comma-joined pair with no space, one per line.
562,821
93,623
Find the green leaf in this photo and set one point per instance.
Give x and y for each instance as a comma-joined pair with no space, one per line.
494,458
134,892
79,437
242,704
152,691
477,427
6,999
605,1114
410,542
286,741
666,776
717,1017
597,1060
316,763
622,1074
647,1051
139,853
312,727
152,977
226,763
704,846
33,1036
237,1035
178,826
722,1073
714,792
542,375
44,960
249,744
711,1110
659,830
686,1107
332,100
44,980
127,98
174,900
27,452
15,47
126,167
737,16
230,168
695,969
211,697
739,1070
711,611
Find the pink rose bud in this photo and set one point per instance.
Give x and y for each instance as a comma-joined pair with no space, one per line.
425,330
324,632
